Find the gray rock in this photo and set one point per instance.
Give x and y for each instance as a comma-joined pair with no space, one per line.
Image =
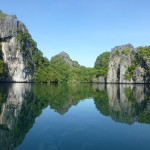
12,53
66,57
120,59
119,63
98,79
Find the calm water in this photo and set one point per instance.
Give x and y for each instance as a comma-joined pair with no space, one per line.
74,117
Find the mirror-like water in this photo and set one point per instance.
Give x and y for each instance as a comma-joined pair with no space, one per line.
74,117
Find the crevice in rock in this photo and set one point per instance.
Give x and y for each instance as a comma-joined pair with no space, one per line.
1,53
118,74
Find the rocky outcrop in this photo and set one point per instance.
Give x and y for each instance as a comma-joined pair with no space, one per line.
99,79
118,63
16,63
127,65
66,58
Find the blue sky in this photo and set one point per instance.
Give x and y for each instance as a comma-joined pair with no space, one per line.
83,28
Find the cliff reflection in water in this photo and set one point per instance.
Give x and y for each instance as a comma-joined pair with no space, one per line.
21,103
125,103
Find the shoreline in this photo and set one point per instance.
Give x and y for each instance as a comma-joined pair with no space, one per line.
68,82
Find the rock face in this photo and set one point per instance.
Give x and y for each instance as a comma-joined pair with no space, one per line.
99,80
126,66
118,64
13,57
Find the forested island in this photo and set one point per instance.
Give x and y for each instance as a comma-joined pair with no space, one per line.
22,61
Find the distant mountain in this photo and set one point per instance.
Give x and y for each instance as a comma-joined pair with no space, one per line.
63,56
68,70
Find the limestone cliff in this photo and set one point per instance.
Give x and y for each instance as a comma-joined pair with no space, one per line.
13,49
120,59
129,65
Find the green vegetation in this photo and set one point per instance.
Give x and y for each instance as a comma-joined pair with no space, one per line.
126,51
142,56
144,52
101,64
116,53
130,70
58,70
130,95
3,67
28,46
119,52
2,15
102,102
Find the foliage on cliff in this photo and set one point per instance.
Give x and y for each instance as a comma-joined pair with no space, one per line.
3,67
142,59
2,15
131,69
101,64
144,53
30,51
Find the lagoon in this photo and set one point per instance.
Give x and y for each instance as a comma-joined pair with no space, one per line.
74,116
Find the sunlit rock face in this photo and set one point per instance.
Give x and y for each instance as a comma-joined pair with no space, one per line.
119,62
127,65
16,63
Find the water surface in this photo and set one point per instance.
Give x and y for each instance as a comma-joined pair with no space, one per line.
74,116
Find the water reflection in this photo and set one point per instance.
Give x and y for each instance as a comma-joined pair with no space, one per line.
129,103
13,98
20,104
